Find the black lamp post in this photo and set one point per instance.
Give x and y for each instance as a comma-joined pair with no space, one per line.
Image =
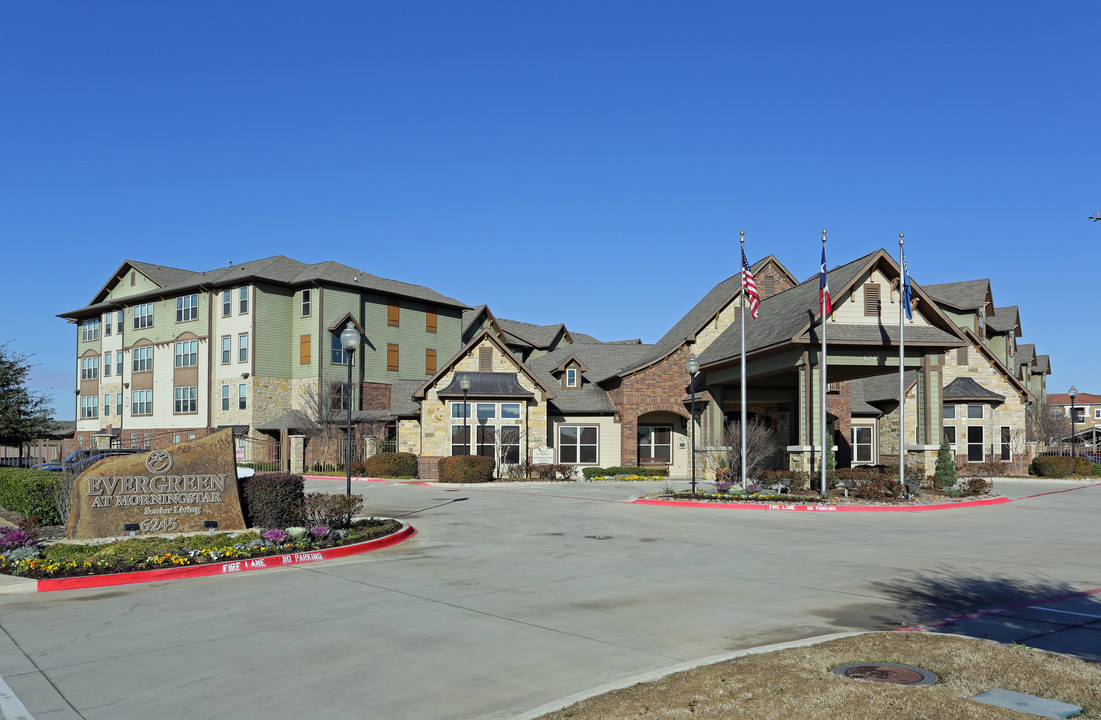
693,367
1073,462
349,341
464,385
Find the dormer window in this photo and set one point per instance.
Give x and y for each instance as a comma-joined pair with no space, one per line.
571,377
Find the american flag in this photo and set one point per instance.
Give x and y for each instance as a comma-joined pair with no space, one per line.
824,286
749,286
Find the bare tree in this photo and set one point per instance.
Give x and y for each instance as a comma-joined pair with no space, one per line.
1044,427
761,446
323,420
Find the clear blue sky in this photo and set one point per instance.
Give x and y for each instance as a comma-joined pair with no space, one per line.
581,162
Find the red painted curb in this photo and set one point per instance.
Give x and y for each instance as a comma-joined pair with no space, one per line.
995,611
223,568
819,508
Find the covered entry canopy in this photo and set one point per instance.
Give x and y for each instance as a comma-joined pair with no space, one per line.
783,352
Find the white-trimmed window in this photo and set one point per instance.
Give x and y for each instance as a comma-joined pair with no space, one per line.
187,353
89,368
1097,413
142,402
509,438
227,303
143,316
338,356
88,407
89,330
118,403
950,434
107,364
242,301
187,307
142,358
578,444
148,440
118,322
225,397
975,443
242,347
655,443
227,349
949,412
307,303
975,412
488,429
186,400
106,404
863,444
118,363
460,439
1079,414
1007,450
107,325
571,377
242,397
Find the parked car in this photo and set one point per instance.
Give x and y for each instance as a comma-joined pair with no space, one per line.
52,466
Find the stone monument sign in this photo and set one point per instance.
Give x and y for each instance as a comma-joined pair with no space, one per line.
176,490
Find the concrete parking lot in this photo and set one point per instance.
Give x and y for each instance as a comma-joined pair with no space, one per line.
510,597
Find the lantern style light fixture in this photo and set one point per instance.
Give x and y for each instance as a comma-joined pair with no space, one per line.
349,342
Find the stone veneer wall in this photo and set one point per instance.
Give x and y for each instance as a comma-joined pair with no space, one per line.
435,422
659,388
1011,413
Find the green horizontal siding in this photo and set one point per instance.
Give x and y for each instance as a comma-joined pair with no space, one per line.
272,343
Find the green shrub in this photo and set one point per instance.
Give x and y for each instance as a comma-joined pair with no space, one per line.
272,500
946,465
387,465
1096,470
466,469
593,472
31,493
1059,466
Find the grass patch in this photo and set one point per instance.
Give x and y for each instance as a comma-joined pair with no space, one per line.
798,683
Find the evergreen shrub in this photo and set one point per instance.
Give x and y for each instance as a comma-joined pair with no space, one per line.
466,469
387,465
272,500
31,493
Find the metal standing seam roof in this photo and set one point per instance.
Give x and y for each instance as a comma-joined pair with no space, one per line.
279,270
966,295
967,388
485,384
782,315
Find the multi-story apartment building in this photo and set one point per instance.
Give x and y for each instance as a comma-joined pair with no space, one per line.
165,354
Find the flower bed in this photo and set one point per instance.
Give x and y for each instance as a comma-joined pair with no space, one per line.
66,560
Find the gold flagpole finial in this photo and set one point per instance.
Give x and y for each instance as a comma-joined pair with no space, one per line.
823,237
900,236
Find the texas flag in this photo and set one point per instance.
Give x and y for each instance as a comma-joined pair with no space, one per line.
824,287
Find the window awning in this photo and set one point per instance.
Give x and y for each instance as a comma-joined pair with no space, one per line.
486,384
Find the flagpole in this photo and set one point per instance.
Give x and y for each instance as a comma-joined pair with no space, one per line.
822,302
742,314
901,366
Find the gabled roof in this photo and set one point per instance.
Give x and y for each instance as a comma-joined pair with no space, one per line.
704,311
538,336
601,361
1026,355
1042,364
1007,373
473,315
966,295
793,316
1005,320
857,404
278,269
967,388
544,387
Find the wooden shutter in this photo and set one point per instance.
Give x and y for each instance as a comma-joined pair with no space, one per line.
304,350
391,357
961,356
429,362
871,299
392,313
485,359
768,285
430,319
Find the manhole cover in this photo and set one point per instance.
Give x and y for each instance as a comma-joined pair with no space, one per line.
887,673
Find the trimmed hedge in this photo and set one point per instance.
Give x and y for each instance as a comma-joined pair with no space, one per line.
629,470
1058,466
272,500
31,493
387,465
466,469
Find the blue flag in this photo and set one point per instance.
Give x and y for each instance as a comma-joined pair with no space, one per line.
907,291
